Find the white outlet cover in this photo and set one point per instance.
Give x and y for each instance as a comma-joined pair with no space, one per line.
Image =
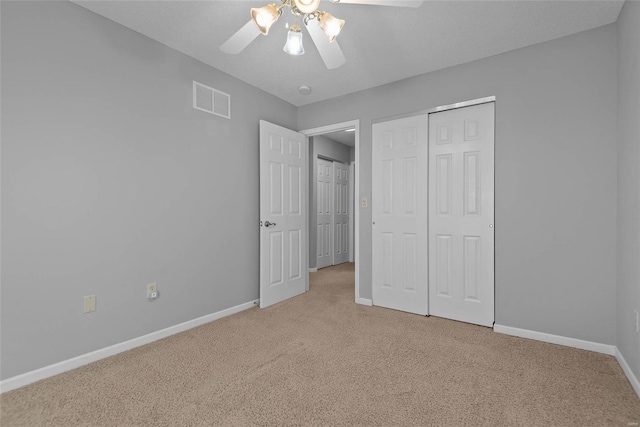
152,291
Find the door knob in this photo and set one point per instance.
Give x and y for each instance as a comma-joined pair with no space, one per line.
269,224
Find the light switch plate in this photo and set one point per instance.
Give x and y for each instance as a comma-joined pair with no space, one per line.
89,303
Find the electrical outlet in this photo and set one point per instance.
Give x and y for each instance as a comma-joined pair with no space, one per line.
637,320
89,303
152,291
365,202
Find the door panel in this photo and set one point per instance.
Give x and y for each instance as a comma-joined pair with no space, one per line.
341,213
351,226
399,210
325,210
461,214
283,204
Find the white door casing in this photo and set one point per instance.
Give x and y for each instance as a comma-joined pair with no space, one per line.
400,215
324,193
340,213
283,214
461,214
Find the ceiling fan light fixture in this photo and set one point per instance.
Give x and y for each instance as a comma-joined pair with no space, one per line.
265,16
330,25
294,41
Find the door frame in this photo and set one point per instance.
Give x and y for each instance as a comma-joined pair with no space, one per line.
334,128
436,109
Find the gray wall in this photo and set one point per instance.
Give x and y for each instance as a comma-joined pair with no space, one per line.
330,150
110,180
555,174
629,182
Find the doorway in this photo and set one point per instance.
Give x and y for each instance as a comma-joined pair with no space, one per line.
340,132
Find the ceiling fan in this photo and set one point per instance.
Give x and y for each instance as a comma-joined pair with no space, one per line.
321,26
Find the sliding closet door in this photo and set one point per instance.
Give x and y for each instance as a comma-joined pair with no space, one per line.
400,217
461,214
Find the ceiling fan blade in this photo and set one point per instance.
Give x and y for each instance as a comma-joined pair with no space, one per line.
398,3
241,39
329,51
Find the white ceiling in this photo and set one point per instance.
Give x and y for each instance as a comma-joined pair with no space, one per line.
381,44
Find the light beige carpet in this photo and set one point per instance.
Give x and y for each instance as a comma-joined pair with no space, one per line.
320,359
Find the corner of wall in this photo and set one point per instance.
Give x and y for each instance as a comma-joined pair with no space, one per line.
628,185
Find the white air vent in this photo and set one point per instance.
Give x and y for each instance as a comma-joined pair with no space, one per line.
211,100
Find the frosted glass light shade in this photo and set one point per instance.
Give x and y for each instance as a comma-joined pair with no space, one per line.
330,25
265,17
294,42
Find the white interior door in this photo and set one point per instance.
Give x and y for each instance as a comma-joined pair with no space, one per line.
283,214
340,213
324,237
400,217
461,214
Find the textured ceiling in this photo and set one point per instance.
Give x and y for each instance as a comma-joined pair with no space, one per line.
381,44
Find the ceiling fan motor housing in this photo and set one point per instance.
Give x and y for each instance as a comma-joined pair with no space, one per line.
306,6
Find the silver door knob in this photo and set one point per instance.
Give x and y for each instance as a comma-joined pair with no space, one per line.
269,224
490,225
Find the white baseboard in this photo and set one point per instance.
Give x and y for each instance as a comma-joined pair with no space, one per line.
611,350
84,359
364,301
628,372
313,270
556,339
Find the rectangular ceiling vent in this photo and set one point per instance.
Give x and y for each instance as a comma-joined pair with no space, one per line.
211,100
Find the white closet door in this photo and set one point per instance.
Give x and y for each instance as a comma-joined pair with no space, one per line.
324,237
352,210
461,214
340,213
400,217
